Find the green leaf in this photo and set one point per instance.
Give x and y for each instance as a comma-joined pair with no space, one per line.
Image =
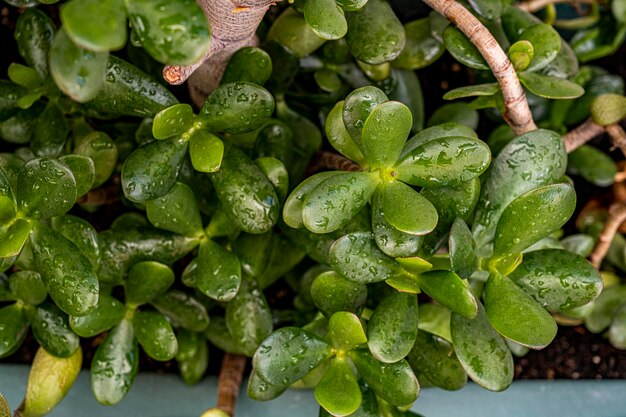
604,308
482,351
103,152
215,271
337,199
146,281
34,31
175,33
129,91
557,279
260,390
108,313
488,89
81,233
248,318
366,27
245,192
392,329
106,33
77,72
446,161
173,121
151,170
10,95
83,169
50,378
192,357
338,391
533,216
345,331
550,87
489,9
393,382
396,198
529,161
276,173
434,358
330,292
13,238
356,257
275,140
546,44
292,210
14,329
384,132
217,333
24,76
422,46
409,91
52,331
461,246
288,355
515,315
444,130
520,54
357,107
248,64
206,151
607,109
449,290
176,211
292,32
19,128
7,210
617,331
460,113
45,188
328,80
326,19
115,364
68,274
593,165
28,287
183,309
238,107
462,49
154,333
338,135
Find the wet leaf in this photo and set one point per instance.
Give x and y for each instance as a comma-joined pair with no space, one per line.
34,31
357,107
449,290
338,391
52,331
183,309
192,357
384,132
550,87
292,210
103,152
462,49
176,211
330,292
392,329
345,331
28,287
81,233
472,91
396,198
45,188
106,33
83,169
338,135
422,47
154,333
216,272
461,246
13,238
489,9
326,19
260,390
248,64
108,313
14,326
546,44
146,281
206,151
173,121
294,33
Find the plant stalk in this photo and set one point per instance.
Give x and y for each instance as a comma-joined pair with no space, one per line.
576,138
325,160
532,6
617,216
229,383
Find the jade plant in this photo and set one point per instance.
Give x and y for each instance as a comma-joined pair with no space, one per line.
305,206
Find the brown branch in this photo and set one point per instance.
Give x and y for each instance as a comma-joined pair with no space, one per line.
229,383
617,216
325,160
532,6
517,113
105,195
618,136
576,138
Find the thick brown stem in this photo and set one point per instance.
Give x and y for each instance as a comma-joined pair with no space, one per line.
532,6
617,216
517,113
325,160
231,375
618,136
576,138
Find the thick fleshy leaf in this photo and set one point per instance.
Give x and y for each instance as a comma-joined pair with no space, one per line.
446,161
176,211
389,239
107,314
115,364
392,329
449,290
559,280
409,91
593,165
45,188
337,391
292,32
238,107
444,130
529,161
275,140
206,151
515,315
368,26
546,44
462,49
192,357
407,210
103,152
489,9
422,46
260,390
607,109
129,91
434,358
288,355
77,72
482,351
151,170
107,32
146,281
183,309
83,169
292,210
617,331
28,287
276,172
20,127
356,257
50,132
461,247
345,331
520,54
358,106
472,91
172,32
215,271
326,19
14,327
515,21
394,382
533,216
550,87
384,132
34,31
330,292
50,378
81,233
154,333
336,200
249,64
172,121
68,274
338,135
604,308
52,331
217,333
13,238
248,317
245,192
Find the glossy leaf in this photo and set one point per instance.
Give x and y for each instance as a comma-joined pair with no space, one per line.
172,121
216,272
275,140
546,44
604,308
52,331
550,87
292,210
13,238
482,351
154,333
326,19
115,364
28,287
14,328
338,135
183,309
261,390
449,290
276,172
459,113
357,107
557,279
176,211
249,64
384,132
533,216
444,130
206,151
462,49
50,133
83,169
593,165
217,333
422,47
69,276
81,233
192,357
608,109
397,198
488,89
461,246
330,292
392,329
515,315
345,331
338,391
617,331
108,313
292,32
146,281
173,32
101,149
107,32
34,31
520,54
